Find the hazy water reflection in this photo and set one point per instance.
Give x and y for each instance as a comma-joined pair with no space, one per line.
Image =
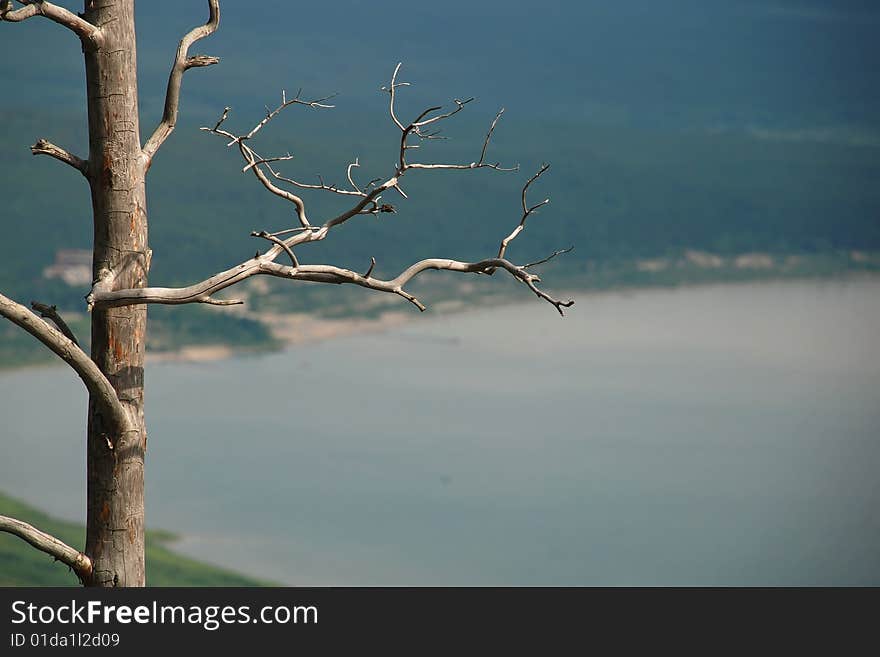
715,435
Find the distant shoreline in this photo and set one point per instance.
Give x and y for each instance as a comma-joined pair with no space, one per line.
21,565
316,329
292,329
289,329
377,314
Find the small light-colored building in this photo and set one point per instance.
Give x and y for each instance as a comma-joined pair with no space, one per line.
754,261
73,266
703,259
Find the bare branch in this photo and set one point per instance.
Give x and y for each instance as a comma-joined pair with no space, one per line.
254,161
422,121
527,211
370,270
51,312
43,147
298,229
351,181
368,203
88,33
222,302
320,186
197,293
279,242
371,197
415,128
97,384
296,100
391,89
251,158
182,63
264,265
268,160
489,135
76,560
220,121
200,61
461,167
548,258
479,164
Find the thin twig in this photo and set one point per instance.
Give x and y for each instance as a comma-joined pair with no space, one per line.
372,264
51,312
43,147
548,258
279,242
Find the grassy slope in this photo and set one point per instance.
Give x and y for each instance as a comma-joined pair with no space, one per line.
22,565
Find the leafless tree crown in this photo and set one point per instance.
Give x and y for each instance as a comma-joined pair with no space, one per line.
368,200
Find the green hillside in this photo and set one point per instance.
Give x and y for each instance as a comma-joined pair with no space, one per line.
22,565
615,193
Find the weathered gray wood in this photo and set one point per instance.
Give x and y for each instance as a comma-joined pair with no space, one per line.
115,507
182,63
203,291
100,389
43,147
78,562
104,294
89,33
114,375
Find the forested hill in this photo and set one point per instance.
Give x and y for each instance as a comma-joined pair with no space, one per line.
727,126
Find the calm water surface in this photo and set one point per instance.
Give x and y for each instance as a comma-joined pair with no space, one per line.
713,435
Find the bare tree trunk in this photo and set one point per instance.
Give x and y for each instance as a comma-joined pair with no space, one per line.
116,170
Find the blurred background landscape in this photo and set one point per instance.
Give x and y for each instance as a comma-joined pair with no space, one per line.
690,142
681,135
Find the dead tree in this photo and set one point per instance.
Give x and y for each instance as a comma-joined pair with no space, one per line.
116,169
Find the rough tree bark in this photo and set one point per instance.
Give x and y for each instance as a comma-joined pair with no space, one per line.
115,169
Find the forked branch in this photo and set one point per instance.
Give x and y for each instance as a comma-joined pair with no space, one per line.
88,33
51,312
368,202
254,162
43,147
63,346
527,212
264,264
182,63
417,128
76,560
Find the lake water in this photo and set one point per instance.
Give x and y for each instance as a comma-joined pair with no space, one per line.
723,435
